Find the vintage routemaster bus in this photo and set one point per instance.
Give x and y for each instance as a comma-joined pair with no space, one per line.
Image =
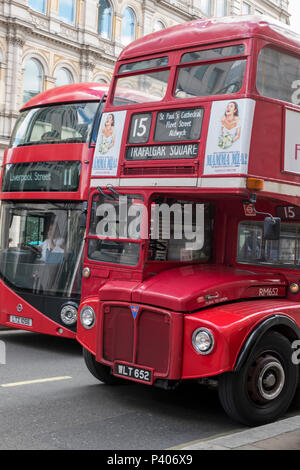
45,182
192,256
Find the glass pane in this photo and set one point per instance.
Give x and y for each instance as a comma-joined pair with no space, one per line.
66,10
38,5
141,88
114,217
205,6
144,64
158,26
69,123
221,7
180,231
41,247
104,19
62,77
253,249
210,54
211,79
246,8
33,79
278,75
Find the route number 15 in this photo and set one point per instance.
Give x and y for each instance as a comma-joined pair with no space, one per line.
140,128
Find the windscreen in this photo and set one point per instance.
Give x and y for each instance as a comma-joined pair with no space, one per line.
115,228
41,247
67,123
181,230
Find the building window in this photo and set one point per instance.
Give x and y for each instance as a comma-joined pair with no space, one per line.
33,79
246,8
128,26
39,5
221,8
63,77
104,19
66,10
158,26
205,6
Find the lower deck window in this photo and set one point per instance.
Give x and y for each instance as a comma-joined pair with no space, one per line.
253,249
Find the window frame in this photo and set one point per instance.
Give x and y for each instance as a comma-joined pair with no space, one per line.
107,36
128,9
40,77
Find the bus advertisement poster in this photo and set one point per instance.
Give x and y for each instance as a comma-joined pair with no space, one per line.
229,134
107,151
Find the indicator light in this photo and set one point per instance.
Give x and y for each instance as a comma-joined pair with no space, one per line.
256,184
294,288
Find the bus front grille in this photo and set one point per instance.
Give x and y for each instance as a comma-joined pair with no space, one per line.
143,341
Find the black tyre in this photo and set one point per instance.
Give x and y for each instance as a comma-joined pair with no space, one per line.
100,371
265,386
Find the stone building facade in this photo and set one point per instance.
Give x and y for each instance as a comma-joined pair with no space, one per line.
45,43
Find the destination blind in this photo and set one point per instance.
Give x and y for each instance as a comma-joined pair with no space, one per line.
177,125
41,176
159,152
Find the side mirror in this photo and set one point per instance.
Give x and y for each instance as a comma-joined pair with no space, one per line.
272,228
83,215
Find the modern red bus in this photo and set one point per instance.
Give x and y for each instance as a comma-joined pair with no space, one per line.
198,277
44,187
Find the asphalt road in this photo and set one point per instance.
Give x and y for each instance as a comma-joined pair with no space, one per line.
49,400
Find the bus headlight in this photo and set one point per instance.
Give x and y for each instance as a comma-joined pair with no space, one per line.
203,341
87,317
68,313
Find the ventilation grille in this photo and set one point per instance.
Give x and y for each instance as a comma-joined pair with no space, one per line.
159,170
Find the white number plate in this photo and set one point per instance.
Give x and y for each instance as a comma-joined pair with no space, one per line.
20,320
134,373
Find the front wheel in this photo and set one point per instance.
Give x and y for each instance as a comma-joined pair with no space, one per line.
100,371
265,386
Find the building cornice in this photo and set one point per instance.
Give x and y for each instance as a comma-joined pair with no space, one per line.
17,31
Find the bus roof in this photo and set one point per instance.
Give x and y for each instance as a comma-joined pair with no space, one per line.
210,31
68,93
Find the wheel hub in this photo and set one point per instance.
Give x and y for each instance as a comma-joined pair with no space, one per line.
266,379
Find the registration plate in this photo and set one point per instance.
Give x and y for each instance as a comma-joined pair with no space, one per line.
132,372
20,320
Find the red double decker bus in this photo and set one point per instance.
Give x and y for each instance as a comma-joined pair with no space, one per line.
192,256
44,187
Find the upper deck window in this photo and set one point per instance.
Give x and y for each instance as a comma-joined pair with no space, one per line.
278,75
217,78
144,65
141,88
68,123
210,54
